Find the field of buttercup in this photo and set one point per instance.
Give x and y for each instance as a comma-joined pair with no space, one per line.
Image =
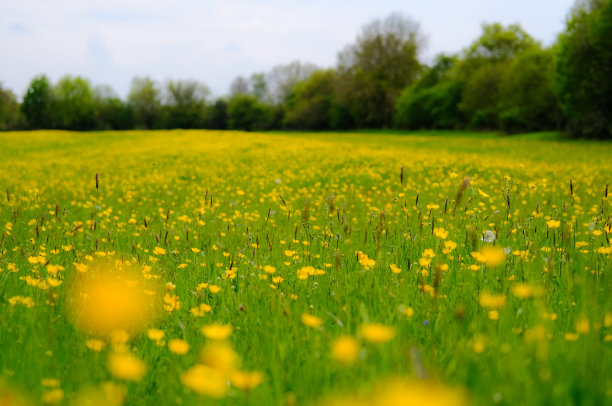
199,267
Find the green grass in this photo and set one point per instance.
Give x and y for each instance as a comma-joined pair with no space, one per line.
243,199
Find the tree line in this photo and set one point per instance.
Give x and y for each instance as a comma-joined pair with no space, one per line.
504,80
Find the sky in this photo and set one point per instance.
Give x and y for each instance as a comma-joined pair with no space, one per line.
214,41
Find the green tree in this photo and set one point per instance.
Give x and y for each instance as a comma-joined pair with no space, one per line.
240,85
282,79
74,106
186,104
373,71
527,99
584,69
483,67
312,102
144,98
245,112
10,115
432,102
259,86
110,111
216,117
37,105
499,43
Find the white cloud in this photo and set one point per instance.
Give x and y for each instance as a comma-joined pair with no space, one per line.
110,41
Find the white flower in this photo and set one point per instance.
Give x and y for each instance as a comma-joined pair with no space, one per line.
488,236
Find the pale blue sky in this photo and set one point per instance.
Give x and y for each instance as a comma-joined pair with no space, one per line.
110,41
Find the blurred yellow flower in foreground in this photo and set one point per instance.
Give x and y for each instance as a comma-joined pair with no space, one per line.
492,301
126,366
156,335
399,392
95,345
525,290
11,397
345,350
111,297
205,380
108,394
310,320
220,356
377,333
53,396
217,331
490,256
178,346
246,380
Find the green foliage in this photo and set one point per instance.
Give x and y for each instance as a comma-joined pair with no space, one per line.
584,69
73,107
216,115
245,112
432,101
10,115
483,69
186,107
144,98
503,79
434,107
111,112
373,71
37,106
527,100
481,95
281,80
312,102
259,86
499,43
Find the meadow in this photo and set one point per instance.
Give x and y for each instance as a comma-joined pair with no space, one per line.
202,267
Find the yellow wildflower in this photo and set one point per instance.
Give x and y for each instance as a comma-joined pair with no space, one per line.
377,333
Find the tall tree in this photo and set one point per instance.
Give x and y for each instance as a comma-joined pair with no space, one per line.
216,118
186,104
10,115
485,63
259,86
37,105
527,99
111,112
374,70
312,102
282,79
245,112
240,85
432,102
144,98
499,43
584,69
74,106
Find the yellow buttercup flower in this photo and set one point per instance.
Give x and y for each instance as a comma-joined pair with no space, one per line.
205,381
217,331
310,320
246,380
126,367
345,350
377,333
178,346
